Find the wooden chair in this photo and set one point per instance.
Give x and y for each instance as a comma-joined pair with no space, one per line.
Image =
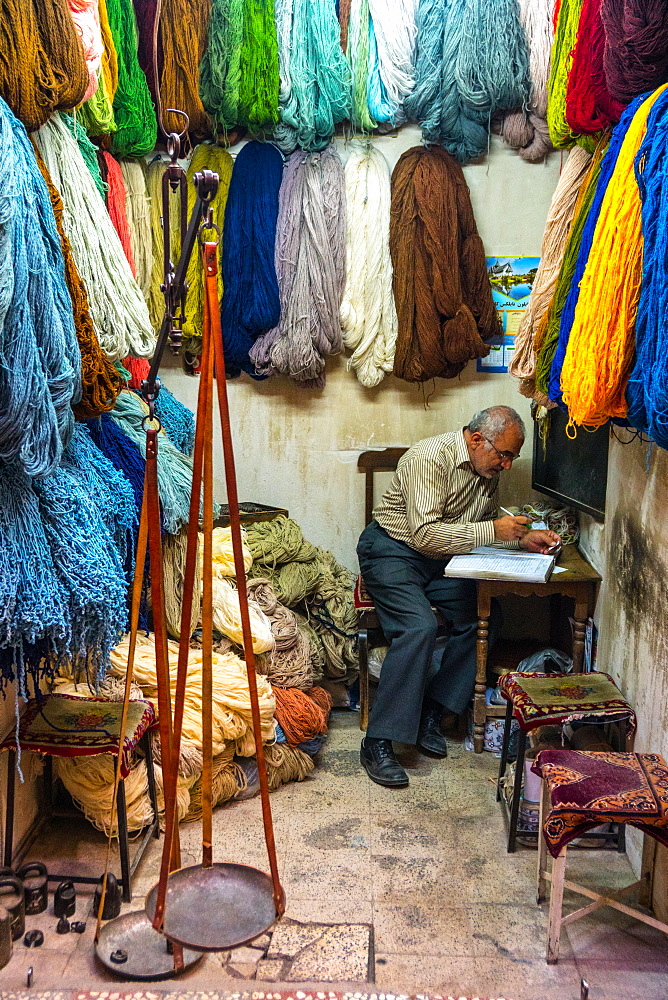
371,462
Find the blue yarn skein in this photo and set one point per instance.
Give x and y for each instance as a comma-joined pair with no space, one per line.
381,108
177,419
251,303
316,88
88,568
123,454
436,102
40,362
568,313
647,389
492,69
108,488
175,470
33,623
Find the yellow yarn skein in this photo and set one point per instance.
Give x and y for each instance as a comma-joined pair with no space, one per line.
601,345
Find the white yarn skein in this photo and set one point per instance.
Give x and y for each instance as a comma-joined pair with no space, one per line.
227,617
368,313
536,17
138,210
395,27
117,307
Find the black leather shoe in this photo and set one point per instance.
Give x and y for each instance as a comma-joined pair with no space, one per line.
430,738
378,760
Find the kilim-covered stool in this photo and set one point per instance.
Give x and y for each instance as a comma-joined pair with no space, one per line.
61,725
553,699
581,790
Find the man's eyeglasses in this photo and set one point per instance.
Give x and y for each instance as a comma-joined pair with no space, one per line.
505,456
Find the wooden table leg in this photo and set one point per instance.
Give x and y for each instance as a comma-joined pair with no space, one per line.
579,633
556,904
517,791
482,646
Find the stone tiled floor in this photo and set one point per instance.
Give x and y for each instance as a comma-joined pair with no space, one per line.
452,913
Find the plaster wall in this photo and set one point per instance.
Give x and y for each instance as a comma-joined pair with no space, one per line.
631,553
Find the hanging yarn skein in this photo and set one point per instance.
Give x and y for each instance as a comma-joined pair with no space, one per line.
599,356
136,126
647,390
116,304
146,12
360,68
239,76
565,36
138,214
97,113
87,22
636,46
251,303
589,105
557,227
589,228
183,37
206,156
395,33
368,313
525,129
100,382
443,296
116,206
43,67
40,362
174,468
315,90
156,300
436,102
88,151
310,263
492,69
546,336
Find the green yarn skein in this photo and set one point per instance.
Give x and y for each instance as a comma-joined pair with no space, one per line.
136,125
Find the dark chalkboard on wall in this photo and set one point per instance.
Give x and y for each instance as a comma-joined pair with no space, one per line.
573,472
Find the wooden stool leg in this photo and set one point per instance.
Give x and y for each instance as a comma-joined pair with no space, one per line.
517,791
9,808
363,652
504,748
556,904
123,847
541,882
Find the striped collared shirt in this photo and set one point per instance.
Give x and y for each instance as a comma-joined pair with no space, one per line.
437,503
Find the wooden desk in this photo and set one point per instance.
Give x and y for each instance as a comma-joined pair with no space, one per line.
580,581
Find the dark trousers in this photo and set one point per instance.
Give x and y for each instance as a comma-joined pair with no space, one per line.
405,585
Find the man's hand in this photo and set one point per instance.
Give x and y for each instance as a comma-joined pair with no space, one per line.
540,541
512,529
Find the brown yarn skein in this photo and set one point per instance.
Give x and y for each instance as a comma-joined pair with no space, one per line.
101,382
441,288
184,27
42,63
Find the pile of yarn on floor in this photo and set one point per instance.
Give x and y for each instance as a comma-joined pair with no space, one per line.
294,653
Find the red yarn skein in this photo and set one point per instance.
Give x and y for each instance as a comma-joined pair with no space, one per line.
590,107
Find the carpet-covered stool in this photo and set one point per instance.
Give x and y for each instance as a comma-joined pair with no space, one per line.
552,699
61,725
581,790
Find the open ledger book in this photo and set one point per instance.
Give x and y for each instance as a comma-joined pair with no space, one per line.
489,563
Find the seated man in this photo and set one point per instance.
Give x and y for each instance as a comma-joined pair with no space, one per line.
443,501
